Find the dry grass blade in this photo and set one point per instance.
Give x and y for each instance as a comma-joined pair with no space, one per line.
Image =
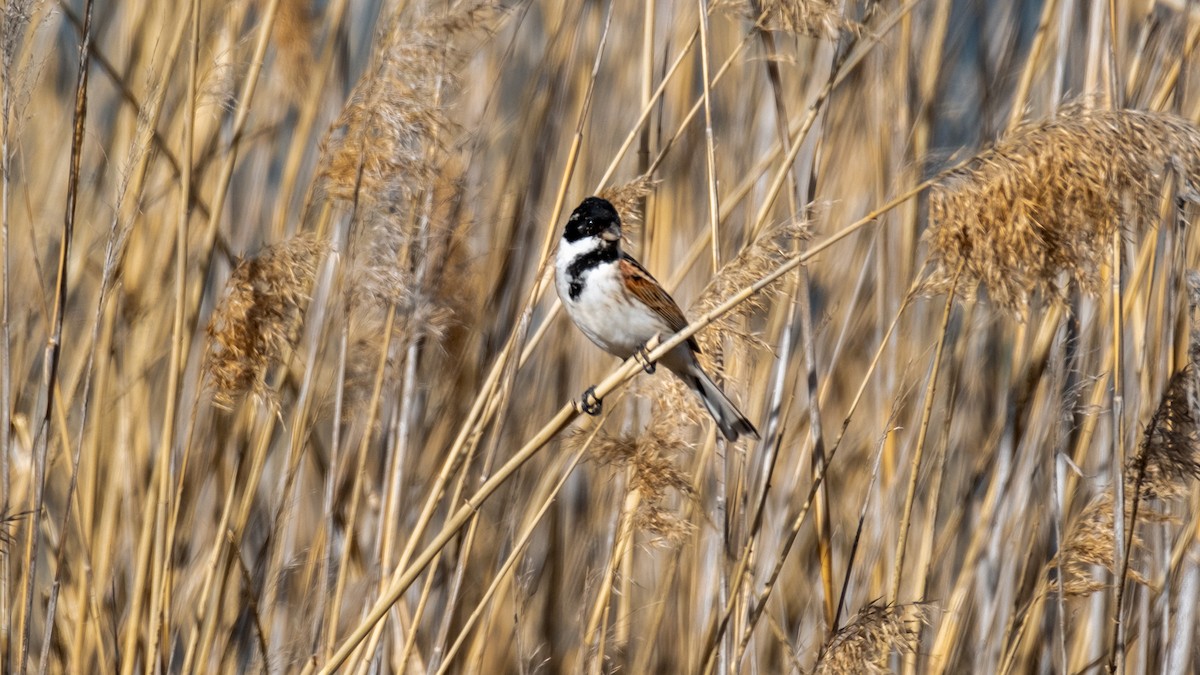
1046,200
259,318
877,630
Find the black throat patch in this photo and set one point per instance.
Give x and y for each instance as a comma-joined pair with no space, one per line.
585,262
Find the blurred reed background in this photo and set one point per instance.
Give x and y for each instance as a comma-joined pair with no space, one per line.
284,387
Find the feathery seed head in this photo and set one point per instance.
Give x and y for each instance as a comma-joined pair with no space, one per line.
814,18
1167,459
627,200
768,251
1046,200
877,630
259,316
1089,544
652,474
378,147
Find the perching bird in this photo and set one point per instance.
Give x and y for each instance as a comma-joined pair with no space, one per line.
620,307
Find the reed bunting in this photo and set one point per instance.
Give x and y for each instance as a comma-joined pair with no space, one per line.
619,306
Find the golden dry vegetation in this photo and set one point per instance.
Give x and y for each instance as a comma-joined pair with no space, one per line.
284,386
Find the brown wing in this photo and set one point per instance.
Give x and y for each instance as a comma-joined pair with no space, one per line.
647,289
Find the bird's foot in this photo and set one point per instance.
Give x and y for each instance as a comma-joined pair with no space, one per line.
643,358
590,403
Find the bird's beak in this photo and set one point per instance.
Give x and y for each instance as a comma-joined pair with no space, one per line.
611,233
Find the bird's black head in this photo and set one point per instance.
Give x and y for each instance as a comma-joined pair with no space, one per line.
594,217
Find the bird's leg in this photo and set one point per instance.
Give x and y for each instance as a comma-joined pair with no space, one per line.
643,358
589,403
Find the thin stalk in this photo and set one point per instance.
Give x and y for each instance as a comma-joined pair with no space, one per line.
235,521
479,415
160,578
925,561
335,16
1040,36
918,452
464,552
283,522
388,524
328,580
131,184
1060,640
1116,93
773,576
225,176
1117,462
710,152
52,351
948,631
6,112
801,308
647,96
162,147
356,498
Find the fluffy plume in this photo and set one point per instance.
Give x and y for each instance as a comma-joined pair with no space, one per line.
387,153
863,644
768,251
259,317
652,474
1168,458
1046,200
1166,461
1089,543
14,17
378,147
627,200
815,18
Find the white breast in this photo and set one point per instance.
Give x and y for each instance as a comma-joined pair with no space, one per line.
603,310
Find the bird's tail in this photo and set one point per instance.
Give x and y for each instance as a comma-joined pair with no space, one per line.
730,420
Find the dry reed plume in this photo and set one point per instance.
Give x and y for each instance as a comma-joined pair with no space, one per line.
1044,201
378,148
258,320
816,18
874,633
1089,544
1164,468
628,199
646,455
